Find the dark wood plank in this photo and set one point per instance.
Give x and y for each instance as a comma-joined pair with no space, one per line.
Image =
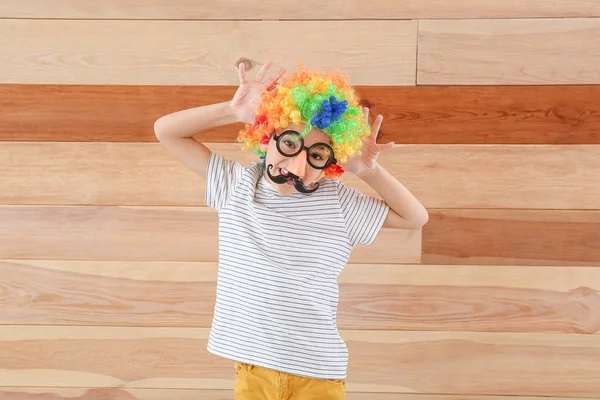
96,113
420,115
488,114
372,296
512,237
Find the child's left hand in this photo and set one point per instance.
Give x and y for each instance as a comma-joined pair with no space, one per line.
364,163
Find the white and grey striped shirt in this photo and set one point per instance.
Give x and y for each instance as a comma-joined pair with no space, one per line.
279,259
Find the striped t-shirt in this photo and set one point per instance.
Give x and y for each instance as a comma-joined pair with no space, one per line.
279,259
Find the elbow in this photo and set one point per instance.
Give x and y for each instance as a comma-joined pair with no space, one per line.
424,219
420,220
415,221
159,130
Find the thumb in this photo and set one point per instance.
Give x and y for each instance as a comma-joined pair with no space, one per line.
387,146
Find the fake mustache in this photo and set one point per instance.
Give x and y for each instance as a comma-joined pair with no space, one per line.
279,179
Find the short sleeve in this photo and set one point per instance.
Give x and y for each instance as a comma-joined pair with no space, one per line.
364,215
222,176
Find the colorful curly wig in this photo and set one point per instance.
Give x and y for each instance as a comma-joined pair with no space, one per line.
318,100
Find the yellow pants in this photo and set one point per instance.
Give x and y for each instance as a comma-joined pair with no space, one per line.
257,383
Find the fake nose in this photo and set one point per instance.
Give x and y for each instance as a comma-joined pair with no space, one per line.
298,164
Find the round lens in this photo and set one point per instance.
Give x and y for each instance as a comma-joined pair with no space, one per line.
319,156
290,143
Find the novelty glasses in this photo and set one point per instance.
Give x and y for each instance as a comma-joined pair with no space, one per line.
291,143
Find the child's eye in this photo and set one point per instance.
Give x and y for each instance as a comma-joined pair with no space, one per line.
289,144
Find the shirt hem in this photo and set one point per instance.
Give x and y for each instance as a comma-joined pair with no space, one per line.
273,367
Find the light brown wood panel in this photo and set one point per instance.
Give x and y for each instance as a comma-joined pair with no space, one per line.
52,393
441,176
562,114
502,52
407,362
192,53
372,296
512,237
310,9
148,233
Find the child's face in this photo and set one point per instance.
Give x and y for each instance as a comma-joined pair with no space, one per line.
296,165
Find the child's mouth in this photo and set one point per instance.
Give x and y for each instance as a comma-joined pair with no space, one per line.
285,173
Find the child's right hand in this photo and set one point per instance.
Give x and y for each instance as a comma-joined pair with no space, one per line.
245,100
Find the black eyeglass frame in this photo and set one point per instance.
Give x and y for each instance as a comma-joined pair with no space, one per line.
302,147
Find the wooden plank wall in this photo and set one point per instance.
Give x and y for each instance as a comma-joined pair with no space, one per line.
108,254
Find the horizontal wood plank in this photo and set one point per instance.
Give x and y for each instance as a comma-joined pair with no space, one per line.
388,362
102,113
441,176
148,234
191,53
372,296
412,114
503,52
311,9
53,393
512,237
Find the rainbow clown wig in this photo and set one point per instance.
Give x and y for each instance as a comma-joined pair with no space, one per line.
322,101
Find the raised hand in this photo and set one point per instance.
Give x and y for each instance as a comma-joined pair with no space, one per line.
245,100
366,162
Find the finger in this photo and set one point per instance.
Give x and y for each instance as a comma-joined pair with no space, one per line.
383,147
242,73
376,126
366,114
275,78
263,71
387,146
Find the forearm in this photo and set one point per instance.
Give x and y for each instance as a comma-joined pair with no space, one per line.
187,123
397,196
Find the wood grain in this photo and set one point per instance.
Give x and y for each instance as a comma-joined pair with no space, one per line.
512,237
101,113
372,296
50,393
191,53
504,52
403,362
441,176
412,114
312,9
148,234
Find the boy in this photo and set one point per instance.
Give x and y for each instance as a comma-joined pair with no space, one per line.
287,225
